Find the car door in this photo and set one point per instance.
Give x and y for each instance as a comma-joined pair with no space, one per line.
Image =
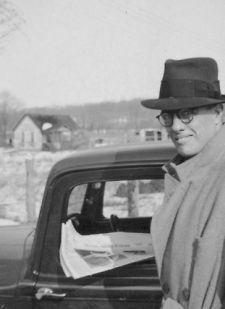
81,196
16,239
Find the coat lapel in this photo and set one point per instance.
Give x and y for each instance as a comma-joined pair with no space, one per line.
163,221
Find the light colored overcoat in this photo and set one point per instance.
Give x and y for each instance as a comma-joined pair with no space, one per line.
188,230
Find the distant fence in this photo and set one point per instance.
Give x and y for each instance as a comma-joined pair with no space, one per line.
30,191
22,182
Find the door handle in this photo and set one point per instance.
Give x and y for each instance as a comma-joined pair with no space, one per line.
48,293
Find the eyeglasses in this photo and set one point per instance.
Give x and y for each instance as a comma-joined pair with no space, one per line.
185,115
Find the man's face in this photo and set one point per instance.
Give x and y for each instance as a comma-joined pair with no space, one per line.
189,139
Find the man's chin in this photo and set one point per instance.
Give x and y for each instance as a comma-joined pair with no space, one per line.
184,147
186,152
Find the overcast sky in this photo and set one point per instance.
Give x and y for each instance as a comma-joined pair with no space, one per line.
82,51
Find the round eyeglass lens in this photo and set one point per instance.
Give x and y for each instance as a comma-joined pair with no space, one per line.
166,119
185,115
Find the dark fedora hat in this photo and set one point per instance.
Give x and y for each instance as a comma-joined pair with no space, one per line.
188,83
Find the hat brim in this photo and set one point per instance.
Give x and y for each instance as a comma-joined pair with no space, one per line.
178,103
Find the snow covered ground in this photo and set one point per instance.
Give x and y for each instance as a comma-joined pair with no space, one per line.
13,181
7,222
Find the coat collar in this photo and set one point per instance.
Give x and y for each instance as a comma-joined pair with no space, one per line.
180,169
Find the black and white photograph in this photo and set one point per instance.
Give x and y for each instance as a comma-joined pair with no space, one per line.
112,154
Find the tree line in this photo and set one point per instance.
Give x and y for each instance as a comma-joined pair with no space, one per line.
124,115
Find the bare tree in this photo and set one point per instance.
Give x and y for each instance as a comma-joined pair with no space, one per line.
9,106
10,21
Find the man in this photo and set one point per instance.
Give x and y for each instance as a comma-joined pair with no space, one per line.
188,230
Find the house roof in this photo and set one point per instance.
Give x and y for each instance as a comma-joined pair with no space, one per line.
55,121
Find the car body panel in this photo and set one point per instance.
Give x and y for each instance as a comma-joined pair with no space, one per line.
130,155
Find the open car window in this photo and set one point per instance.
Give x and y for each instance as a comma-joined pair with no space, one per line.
123,198
108,225
133,198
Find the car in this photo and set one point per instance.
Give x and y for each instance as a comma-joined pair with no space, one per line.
100,192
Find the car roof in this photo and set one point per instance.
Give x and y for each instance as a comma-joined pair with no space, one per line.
127,155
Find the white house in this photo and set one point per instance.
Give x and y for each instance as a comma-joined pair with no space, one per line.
50,132
153,134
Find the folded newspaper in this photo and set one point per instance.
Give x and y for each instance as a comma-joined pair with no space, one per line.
84,255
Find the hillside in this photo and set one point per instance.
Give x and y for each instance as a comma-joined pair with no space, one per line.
107,115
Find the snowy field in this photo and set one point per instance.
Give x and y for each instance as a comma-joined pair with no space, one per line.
13,181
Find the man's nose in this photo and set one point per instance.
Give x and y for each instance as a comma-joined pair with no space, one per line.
177,124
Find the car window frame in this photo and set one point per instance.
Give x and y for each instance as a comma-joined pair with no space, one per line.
60,190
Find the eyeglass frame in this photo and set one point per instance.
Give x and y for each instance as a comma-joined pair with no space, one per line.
177,113
192,109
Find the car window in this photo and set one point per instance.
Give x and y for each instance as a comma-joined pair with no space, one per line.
96,210
133,198
123,198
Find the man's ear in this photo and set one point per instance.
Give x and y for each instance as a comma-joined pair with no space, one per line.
219,108
219,113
